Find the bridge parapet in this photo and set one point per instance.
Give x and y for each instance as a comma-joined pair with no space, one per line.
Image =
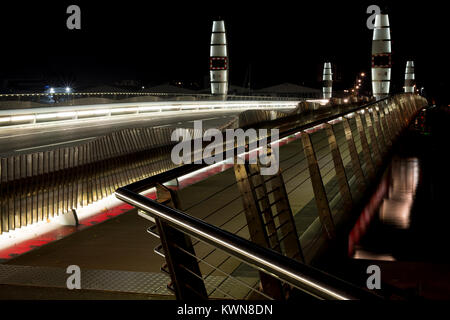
324,169
259,234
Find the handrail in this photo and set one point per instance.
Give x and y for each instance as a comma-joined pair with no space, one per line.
308,279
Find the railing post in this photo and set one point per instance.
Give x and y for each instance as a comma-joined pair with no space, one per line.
344,188
356,165
397,118
386,128
179,254
320,195
373,138
259,219
381,135
393,121
365,147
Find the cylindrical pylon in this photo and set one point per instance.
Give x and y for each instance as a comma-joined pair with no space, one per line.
218,61
381,57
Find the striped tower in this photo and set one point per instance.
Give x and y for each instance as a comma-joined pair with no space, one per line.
218,61
409,77
327,80
381,57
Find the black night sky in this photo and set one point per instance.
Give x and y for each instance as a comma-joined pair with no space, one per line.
156,41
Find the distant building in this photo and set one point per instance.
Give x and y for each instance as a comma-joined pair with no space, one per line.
232,90
23,85
289,90
168,88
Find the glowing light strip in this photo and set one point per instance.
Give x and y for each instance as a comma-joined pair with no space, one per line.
245,105
16,236
22,118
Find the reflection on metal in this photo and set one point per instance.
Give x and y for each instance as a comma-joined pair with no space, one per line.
392,202
373,139
381,135
320,195
370,169
386,128
344,188
396,209
356,165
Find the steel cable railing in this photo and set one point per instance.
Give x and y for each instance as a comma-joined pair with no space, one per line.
199,224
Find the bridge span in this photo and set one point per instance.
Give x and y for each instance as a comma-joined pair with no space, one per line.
214,225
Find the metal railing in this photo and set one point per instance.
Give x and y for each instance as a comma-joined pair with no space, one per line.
303,277
341,155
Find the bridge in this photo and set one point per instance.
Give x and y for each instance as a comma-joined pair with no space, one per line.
220,230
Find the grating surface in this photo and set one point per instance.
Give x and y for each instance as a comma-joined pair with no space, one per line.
104,280
114,281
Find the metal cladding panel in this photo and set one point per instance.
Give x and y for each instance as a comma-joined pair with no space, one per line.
218,75
380,89
218,26
379,46
218,38
381,74
381,20
219,88
381,82
381,34
218,51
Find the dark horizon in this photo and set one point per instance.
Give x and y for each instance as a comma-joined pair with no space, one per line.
282,42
